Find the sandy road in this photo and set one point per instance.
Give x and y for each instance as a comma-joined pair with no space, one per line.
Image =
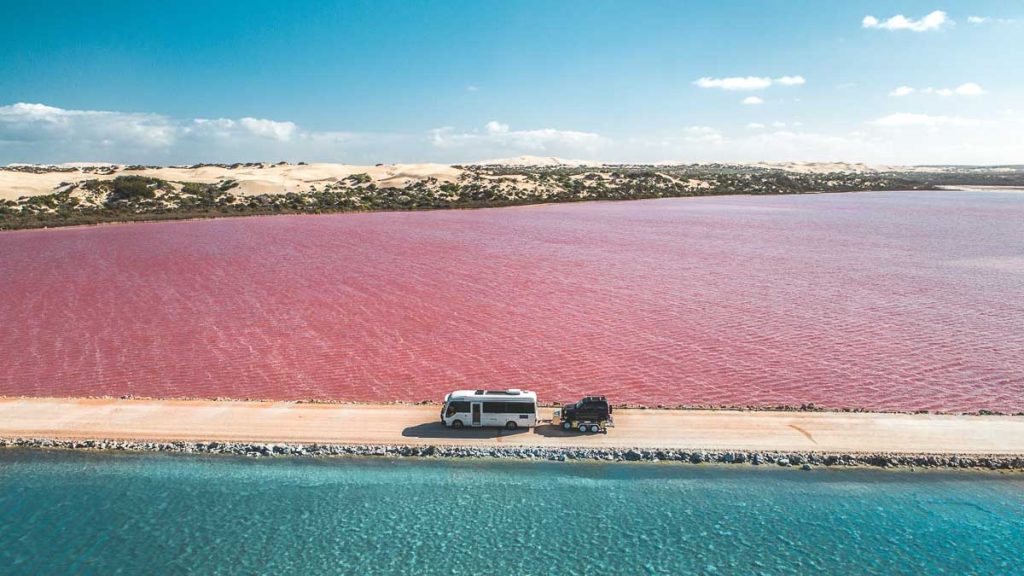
170,420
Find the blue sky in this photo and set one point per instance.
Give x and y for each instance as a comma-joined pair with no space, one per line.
461,81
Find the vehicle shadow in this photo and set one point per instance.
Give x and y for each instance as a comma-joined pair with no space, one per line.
438,430
551,430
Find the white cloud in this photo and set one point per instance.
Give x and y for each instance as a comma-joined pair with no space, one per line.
934,21
781,145
735,83
901,119
281,131
961,141
957,141
498,138
752,100
706,144
41,133
495,127
704,135
978,20
791,80
748,82
967,89
701,130
472,88
38,133
38,123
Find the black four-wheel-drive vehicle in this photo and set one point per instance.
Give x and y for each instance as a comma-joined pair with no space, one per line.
591,414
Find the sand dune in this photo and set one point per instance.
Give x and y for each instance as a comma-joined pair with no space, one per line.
252,180
826,167
264,178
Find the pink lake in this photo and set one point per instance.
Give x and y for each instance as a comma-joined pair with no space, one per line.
884,301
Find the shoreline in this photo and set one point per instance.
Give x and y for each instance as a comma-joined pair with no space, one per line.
230,211
802,460
210,216
322,430
806,407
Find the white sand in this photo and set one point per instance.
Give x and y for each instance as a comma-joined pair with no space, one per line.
827,167
252,181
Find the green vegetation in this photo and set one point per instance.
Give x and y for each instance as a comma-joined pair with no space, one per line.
135,197
361,178
128,189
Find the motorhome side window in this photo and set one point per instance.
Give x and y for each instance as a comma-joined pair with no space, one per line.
509,408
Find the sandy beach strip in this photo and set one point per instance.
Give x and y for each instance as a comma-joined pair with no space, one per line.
287,422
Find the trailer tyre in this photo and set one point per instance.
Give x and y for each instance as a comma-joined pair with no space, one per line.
566,425
457,424
595,428
510,425
583,428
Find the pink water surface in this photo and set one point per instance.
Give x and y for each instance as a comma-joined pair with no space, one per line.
891,301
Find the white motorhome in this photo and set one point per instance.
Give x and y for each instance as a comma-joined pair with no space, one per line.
509,409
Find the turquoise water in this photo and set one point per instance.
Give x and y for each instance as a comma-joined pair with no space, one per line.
157,514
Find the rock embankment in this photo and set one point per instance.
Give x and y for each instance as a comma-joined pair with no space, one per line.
805,460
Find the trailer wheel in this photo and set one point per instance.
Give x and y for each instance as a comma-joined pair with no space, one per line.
583,428
511,425
595,428
457,424
566,425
